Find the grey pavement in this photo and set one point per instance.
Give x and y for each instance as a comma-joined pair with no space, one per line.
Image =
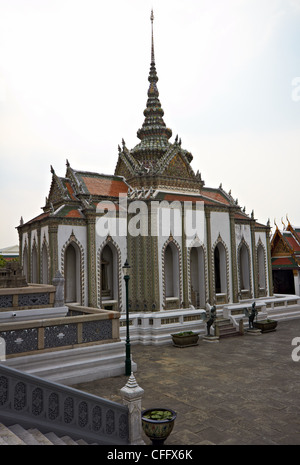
242,390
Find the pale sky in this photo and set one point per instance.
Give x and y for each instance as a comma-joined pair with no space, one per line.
73,83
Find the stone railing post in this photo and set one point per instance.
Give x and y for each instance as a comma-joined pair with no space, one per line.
132,395
58,282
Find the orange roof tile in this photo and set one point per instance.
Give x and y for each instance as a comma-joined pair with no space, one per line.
73,214
38,218
186,198
70,190
102,186
292,243
216,195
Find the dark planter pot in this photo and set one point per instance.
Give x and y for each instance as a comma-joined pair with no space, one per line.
158,429
265,325
187,339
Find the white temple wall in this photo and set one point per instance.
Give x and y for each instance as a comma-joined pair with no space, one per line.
220,225
24,240
34,236
261,238
44,235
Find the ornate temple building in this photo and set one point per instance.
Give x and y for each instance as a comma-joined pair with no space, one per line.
285,252
91,223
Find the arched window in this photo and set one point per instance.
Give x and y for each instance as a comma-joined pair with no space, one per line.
197,277
261,269
220,269
171,260
72,273
244,268
45,274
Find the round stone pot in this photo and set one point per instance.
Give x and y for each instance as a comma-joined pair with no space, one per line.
155,428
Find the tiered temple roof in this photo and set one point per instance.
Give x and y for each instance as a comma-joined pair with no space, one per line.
155,165
155,161
285,248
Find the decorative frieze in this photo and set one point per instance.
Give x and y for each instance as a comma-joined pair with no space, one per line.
6,301
96,330
60,336
20,340
30,300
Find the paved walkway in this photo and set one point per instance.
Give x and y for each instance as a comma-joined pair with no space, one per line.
242,390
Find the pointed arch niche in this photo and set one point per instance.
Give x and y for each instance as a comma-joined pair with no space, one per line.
197,275
221,271
261,269
25,261
244,270
45,263
109,275
72,267
171,260
34,263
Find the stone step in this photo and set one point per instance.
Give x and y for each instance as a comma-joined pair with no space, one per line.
226,328
81,442
24,434
40,437
9,438
233,333
56,441
17,435
69,441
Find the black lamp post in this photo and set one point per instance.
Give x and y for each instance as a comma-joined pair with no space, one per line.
126,269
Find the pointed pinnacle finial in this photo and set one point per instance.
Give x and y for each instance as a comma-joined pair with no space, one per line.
152,42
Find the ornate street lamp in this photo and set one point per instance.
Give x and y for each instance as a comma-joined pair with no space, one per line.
126,270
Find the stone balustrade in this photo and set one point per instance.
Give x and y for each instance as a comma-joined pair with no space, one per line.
51,407
89,326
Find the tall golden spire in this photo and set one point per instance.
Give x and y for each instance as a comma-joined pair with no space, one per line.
153,134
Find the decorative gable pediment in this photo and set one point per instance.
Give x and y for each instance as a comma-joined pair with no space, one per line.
58,193
279,246
55,194
177,167
123,169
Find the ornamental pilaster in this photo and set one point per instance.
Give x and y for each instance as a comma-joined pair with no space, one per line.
211,291
91,260
39,255
254,259
185,283
270,276
53,246
235,292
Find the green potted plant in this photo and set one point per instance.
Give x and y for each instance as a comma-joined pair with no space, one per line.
185,339
157,424
265,325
